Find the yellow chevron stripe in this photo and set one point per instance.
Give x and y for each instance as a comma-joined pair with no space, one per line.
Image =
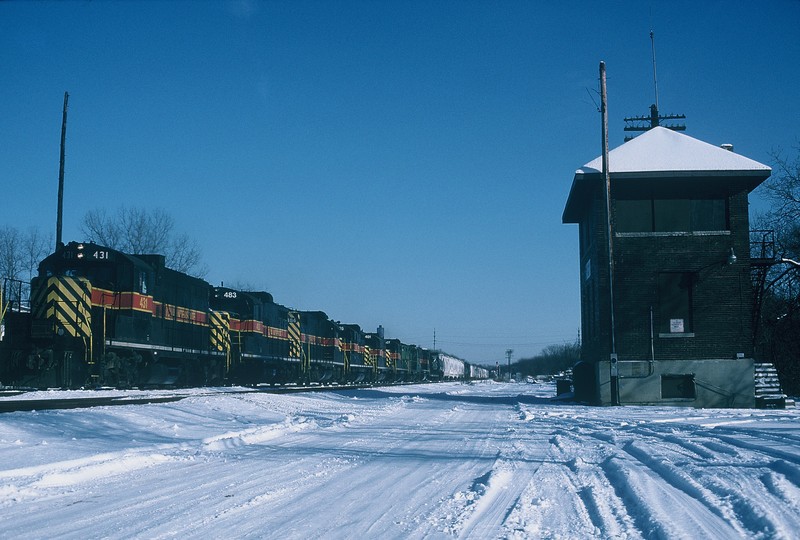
220,333
68,302
294,334
368,356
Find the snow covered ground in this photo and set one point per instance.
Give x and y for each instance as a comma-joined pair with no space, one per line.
447,460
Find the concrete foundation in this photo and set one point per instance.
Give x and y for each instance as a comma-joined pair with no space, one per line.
706,383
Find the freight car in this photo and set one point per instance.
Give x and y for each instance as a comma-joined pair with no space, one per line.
102,317
445,367
477,372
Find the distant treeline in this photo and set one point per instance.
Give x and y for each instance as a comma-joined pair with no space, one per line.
552,360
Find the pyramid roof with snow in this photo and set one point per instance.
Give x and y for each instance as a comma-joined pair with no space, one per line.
661,155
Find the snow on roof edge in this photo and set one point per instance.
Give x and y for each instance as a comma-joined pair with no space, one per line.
661,150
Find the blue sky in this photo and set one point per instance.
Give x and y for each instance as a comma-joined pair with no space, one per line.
394,163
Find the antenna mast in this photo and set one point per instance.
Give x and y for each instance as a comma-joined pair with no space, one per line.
59,218
646,123
655,79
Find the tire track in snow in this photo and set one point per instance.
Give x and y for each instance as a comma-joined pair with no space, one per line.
635,481
412,467
688,490
561,493
721,481
783,482
747,442
481,507
607,512
729,481
488,493
585,489
199,468
578,487
314,471
304,475
29,482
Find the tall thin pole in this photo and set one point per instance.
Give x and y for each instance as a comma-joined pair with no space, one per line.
607,180
60,218
655,79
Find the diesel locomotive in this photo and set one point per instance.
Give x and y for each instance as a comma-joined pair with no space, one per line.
100,317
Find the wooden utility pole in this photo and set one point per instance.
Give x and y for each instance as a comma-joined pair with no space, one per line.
59,218
607,181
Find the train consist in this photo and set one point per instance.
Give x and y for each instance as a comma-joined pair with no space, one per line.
100,317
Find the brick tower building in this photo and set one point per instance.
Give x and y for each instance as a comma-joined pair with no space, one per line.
678,329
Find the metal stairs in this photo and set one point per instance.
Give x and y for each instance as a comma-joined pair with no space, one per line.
768,388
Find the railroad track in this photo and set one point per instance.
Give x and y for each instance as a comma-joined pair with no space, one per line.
58,403
80,403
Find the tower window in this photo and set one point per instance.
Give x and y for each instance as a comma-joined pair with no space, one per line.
675,302
670,215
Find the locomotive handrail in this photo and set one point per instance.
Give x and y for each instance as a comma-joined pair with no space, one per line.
167,335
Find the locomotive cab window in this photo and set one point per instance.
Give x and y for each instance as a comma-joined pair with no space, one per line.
143,282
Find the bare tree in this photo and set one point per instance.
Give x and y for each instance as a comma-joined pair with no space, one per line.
20,254
778,338
101,229
36,246
186,254
784,190
139,231
10,260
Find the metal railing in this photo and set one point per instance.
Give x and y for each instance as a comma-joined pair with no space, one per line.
762,245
